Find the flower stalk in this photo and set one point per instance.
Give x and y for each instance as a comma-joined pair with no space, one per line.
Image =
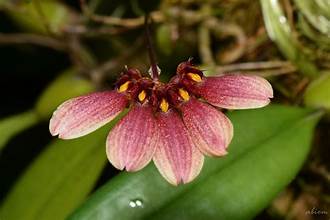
151,51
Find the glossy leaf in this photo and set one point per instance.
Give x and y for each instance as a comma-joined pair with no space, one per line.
58,180
12,125
280,32
268,148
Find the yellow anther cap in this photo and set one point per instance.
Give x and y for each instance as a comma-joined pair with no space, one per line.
142,95
164,105
184,94
195,77
124,86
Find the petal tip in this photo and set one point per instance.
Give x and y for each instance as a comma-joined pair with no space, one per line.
269,89
64,137
53,132
237,91
82,115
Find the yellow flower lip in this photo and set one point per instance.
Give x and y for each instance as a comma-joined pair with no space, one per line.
164,105
195,77
184,94
142,95
124,86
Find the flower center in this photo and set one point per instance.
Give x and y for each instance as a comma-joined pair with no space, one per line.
160,96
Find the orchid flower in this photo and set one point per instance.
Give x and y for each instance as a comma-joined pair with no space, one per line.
174,124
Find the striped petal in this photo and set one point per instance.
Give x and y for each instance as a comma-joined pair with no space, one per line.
132,142
236,91
84,114
176,157
209,128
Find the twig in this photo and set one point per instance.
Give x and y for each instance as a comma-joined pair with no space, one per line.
257,40
79,55
40,40
264,69
156,16
320,170
93,32
255,66
275,72
204,45
151,50
299,88
100,72
221,29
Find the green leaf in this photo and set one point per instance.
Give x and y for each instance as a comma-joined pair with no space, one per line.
58,180
318,93
322,41
13,125
66,86
280,32
314,15
323,8
163,39
268,148
27,15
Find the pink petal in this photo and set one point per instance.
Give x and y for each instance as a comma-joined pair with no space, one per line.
236,91
209,128
132,142
84,114
176,157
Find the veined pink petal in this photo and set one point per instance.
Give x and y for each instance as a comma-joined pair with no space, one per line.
236,91
84,114
176,157
132,142
209,128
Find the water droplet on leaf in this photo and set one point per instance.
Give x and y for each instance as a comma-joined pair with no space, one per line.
136,203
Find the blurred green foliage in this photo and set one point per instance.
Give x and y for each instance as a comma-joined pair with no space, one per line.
58,180
10,126
44,16
280,32
318,93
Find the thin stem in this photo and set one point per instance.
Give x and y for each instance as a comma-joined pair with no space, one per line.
151,51
223,30
205,46
22,38
105,69
264,69
157,16
254,65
